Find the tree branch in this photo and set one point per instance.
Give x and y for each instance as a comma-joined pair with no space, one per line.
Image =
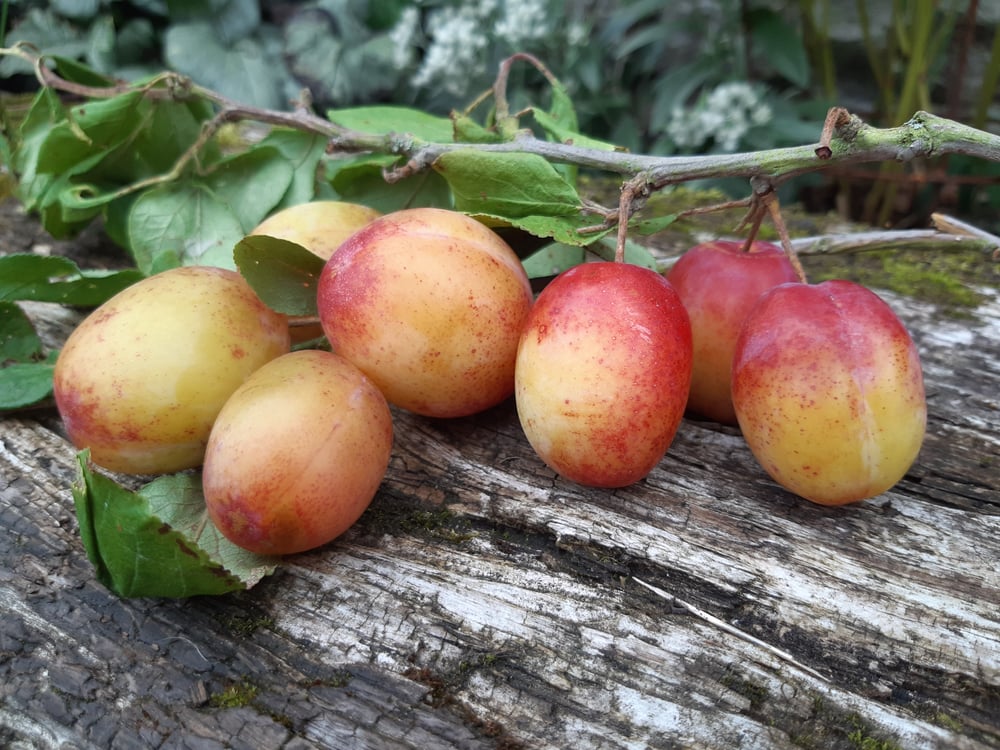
845,139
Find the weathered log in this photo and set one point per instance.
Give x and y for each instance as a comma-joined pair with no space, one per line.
483,602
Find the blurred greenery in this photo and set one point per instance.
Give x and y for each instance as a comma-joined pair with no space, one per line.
692,76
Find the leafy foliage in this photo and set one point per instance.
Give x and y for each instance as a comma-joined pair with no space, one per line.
25,366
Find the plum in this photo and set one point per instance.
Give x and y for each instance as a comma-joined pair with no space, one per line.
429,304
296,454
140,381
828,390
719,282
603,371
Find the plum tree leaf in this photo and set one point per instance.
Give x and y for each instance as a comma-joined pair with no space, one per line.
506,185
385,119
303,151
24,276
25,373
360,180
158,541
182,224
552,259
282,273
251,183
25,383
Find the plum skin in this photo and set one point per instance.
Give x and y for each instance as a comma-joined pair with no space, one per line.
296,454
719,282
828,391
140,381
320,226
429,304
603,372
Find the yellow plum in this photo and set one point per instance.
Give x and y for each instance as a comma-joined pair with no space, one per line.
140,381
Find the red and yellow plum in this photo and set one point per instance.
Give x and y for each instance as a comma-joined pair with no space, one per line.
603,372
828,390
296,454
719,282
429,304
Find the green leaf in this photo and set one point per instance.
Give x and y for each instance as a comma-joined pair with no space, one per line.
564,229
360,180
653,224
18,340
46,111
25,377
251,184
558,132
385,119
506,185
304,152
552,260
781,44
25,383
467,130
159,541
182,224
96,127
24,276
244,72
284,274
635,253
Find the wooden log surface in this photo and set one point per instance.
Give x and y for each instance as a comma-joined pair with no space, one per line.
482,602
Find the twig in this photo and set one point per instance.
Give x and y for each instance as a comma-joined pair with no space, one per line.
722,625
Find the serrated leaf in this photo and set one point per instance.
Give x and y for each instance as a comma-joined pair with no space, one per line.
158,541
506,185
282,273
24,276
564,229
182,224
385,119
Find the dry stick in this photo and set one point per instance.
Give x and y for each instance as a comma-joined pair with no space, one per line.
712,620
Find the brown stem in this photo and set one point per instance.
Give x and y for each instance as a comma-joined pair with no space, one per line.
774,208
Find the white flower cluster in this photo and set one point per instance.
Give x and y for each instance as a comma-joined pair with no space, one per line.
722,115
459,35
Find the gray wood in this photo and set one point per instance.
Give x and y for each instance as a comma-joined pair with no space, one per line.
483,602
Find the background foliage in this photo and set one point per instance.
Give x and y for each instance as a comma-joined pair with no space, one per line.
692,76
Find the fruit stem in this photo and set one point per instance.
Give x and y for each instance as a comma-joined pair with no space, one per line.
774,208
